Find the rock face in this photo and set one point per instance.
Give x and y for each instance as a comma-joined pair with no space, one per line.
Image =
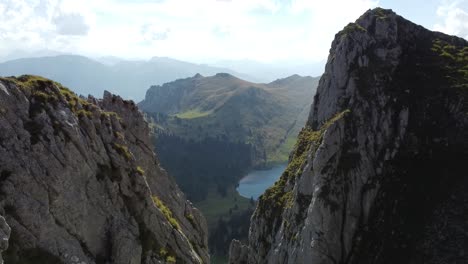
238,252
378,174
4,236
79,182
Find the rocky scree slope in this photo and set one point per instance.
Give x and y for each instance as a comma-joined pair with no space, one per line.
378,174
79,182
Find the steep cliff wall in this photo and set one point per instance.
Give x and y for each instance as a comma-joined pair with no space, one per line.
80,182
4,236
378,174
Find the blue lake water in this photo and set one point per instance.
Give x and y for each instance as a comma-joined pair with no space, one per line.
257,181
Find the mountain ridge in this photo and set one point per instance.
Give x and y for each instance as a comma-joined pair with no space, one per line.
377,175
227,106
80,182
126,78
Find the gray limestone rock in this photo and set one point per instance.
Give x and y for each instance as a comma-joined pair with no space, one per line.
377,175
80,182
4,236
238,253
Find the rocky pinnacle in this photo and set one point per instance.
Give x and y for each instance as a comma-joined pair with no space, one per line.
378,174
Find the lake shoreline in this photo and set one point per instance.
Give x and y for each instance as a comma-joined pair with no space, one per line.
257,181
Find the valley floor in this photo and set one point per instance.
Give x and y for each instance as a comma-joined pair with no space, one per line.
222,213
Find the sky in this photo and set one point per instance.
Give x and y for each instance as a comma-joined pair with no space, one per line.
203,30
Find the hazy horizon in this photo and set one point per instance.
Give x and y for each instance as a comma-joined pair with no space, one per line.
272,32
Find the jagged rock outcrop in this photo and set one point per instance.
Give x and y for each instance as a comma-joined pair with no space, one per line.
79,182
378,174
238,252
4,236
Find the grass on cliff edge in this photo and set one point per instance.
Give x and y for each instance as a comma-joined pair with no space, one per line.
282,153
276,197
37,86
166,212
456,66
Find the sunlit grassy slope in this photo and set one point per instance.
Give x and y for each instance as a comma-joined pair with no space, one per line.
266,116
195,113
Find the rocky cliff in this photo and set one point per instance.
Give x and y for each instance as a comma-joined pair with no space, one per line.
80,183
4,236
378,174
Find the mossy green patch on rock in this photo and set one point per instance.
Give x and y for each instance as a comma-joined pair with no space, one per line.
123,150
171,259
46,91
84,113
277,197
74,102
165,254
44,97
350,28
166,212
119,135
281,196
29,82
190,218
140,170
380,13
105,114
456,60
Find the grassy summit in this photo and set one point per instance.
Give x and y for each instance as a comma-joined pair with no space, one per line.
267,117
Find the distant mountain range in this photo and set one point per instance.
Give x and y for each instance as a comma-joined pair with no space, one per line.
129,79
268,72
265,115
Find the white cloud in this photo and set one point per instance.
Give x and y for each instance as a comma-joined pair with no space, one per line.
325,19
39,24
221,31
71,24
202,30
154,32
455,18
242,29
